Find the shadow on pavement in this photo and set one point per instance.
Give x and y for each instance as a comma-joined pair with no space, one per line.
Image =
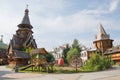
2,73
113,68
4,78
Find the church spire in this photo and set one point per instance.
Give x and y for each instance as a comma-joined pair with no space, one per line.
102,34
26,17
26,21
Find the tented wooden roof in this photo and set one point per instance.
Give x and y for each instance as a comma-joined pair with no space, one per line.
102,34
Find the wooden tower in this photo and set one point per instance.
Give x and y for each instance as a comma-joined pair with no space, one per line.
103,41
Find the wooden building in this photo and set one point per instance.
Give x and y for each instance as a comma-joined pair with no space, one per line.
103,41
20,41
19,58
114,52
39,56
105,45
3,52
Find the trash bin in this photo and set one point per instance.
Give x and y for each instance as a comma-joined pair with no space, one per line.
16,69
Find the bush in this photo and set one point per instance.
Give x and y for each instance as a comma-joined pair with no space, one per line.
50,57
96,63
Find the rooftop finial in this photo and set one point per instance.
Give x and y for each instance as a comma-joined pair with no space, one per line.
26,10
27,6
1,40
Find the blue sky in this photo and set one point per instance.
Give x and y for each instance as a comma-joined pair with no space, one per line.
58,22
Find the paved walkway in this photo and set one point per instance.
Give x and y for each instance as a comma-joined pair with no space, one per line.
111,74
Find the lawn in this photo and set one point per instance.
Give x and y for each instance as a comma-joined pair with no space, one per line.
56,70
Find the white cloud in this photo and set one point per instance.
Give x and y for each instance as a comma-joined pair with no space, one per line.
75,22
103,9
52,28
113,5
46,6
97,11
78,23
69,27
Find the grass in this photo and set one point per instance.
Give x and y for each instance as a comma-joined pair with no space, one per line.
56,70
8,66
66,70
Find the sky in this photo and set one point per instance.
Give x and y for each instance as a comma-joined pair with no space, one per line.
57,22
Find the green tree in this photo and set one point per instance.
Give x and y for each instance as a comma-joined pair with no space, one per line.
50,59
76,45
28,50
74,50
65,51
71,53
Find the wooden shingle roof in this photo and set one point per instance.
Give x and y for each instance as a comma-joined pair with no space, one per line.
21,54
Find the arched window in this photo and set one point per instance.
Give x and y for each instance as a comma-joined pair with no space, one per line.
84,54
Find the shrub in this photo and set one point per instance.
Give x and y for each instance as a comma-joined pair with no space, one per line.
50,57
96,63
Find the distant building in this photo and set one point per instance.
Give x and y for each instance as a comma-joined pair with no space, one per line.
3,51
86,54
20,41
58,52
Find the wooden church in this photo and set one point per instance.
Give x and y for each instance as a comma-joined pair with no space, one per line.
20,41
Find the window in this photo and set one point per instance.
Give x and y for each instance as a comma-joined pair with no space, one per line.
84,54
41,56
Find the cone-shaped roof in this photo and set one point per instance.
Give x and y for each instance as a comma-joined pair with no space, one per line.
25,21
102,34
26,18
